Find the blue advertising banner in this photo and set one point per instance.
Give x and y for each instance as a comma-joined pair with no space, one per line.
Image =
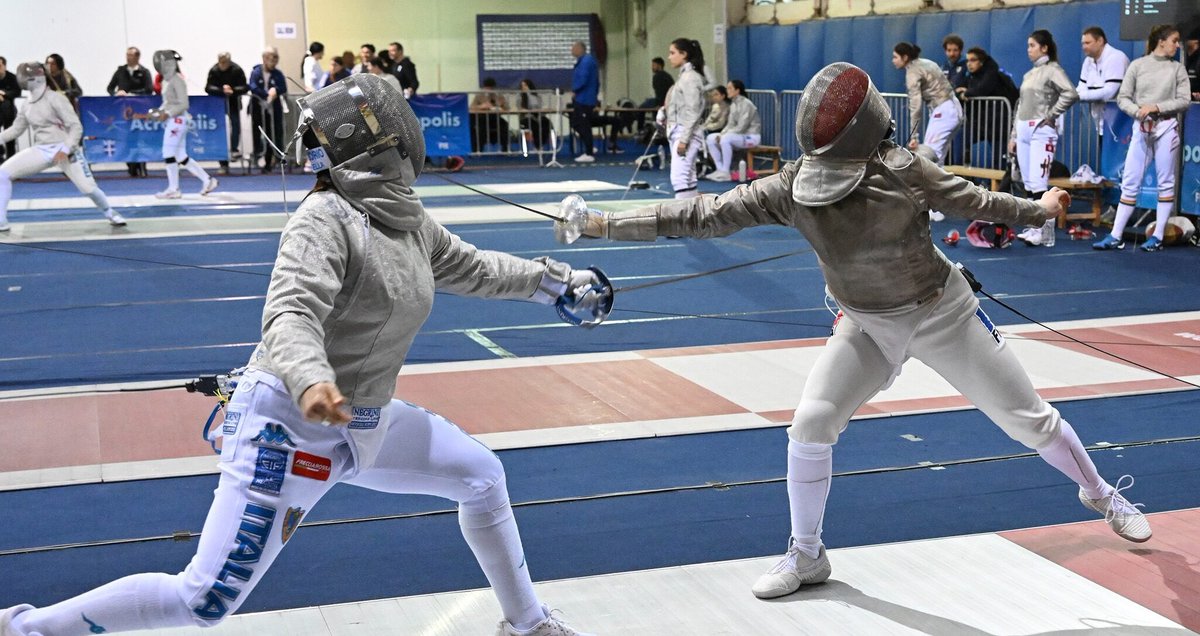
1189,178
1118,130
444,120
120,129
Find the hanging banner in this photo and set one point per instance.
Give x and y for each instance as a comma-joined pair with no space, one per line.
444,121
1189,177
120,129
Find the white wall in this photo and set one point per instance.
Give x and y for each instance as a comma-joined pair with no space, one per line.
92,35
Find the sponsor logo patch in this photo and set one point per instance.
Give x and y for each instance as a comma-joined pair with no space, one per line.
987,322
291,521
230,426
364,418
311,466
273,435
269,470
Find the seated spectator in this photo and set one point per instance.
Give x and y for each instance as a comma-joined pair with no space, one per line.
487,126
337,71
537,123
59,80
742,130
718,110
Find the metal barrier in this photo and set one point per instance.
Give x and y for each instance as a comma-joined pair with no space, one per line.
789,101
1078,142
767,103
983,135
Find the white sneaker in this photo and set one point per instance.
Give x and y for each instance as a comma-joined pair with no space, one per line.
719,175
936,216
114,218
1031,236
550,626
168,194
792,571
6,618
208,187
585,158
4,226
1120,515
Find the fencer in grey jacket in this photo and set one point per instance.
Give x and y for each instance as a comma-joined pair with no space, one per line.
1046,93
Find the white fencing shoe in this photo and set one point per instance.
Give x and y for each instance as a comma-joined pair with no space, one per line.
114,218
209,186
792,571
6,619
168,194
4,226
552,625
1120,515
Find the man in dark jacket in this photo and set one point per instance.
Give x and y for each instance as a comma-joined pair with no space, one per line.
269,88
10,90
228,80
404,69
1191,52
131,78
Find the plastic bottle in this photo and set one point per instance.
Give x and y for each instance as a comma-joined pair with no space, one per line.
742,171
1048,233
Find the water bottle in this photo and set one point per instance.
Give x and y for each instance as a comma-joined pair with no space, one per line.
1048,233
742,171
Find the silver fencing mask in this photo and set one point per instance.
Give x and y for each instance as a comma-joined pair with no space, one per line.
840,122
166,62
31,76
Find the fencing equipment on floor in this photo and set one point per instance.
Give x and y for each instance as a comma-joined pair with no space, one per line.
742,130
1046,93
926,84
685,119
1163,82
1099,81
56,128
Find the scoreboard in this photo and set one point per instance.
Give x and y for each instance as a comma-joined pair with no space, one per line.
1139,16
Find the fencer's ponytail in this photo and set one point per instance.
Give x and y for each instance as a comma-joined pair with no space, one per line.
691,48
907,50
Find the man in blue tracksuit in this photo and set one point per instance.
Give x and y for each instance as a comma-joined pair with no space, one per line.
585,84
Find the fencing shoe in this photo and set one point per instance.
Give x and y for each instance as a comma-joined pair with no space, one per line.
552,625
209,186
6,619
1109,242
792,571
4,226
168,194
1120,515
114,218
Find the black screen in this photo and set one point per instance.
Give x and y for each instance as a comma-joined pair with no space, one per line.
1139,16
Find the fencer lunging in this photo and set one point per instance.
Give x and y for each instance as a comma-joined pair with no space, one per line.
57,142
353,282
174,112
861,201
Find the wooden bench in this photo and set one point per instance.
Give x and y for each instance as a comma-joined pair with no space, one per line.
1094,189
775,153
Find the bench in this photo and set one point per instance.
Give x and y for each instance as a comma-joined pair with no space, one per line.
775,153
995,176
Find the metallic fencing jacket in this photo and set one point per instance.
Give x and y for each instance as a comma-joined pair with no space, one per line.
685,102
924,80
1155,80
350,291
743,118
175,97
873,246
1046,93
52,119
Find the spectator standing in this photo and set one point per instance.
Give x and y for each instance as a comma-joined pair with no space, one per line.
131,78
60,80
955,68
927,86
1154,91
227,79
10,90
268,86
365,53
987,121
684,114
1191,49
487,124
404,69
585,86
743,130
1100,78
378,66
310,68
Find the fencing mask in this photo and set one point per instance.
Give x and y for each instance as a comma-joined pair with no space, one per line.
840,122
31,76
166,62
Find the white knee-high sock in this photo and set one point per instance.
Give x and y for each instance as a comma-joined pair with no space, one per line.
1066,453
1161,213
809,473
490,529
5,194
1124,212
98,197
141,601
172,176
195,169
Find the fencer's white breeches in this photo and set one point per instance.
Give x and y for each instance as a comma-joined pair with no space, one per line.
175,132
955,339
31,161
1159,143
1035,153
943,121
683,169
274,467
721,147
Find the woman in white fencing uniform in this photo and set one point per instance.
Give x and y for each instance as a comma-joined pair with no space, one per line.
861,201
1046,93
175,132
684,113
1155,90
927,85
742,130
57,141
354,280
